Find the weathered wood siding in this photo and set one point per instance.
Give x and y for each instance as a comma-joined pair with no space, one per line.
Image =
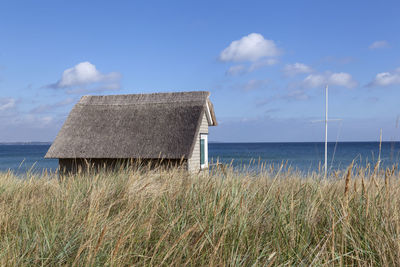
72,166
194,161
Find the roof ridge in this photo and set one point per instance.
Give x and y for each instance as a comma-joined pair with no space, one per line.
148,94
172,97
140,103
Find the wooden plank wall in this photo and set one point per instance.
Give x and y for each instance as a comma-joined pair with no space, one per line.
194,161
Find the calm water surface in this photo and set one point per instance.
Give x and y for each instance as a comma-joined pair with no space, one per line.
302,156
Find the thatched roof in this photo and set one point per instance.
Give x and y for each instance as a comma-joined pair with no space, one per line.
133,126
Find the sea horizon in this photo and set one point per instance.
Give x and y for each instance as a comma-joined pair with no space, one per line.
21,157
224,142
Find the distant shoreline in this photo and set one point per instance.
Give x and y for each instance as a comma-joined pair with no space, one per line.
301,142
25,143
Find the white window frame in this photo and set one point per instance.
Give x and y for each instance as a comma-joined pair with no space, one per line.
205,138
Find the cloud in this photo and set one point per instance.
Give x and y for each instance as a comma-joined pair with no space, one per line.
6,103
242,69
236,70
50,107
29,127
315,80
39,121
263,63
335,79
379,44
289,129
17,124
85,73
386,78
84,77
296,68
342,79
252,47
20,125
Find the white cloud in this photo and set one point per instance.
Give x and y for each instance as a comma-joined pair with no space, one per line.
242,69
18,125
314,80
249,48
379,44
342,79
84,73
334,79
29,120
48,108
85,77
386,78
296,68
236,70
46,120
6,103
262,63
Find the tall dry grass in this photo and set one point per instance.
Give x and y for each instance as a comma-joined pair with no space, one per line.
223,218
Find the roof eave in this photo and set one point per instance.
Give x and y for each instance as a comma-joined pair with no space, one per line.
210,109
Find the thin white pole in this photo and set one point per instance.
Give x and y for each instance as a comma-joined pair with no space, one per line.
326,131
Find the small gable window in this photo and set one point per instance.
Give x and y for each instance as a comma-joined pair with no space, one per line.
203,150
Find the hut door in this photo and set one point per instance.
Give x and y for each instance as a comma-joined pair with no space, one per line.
203,150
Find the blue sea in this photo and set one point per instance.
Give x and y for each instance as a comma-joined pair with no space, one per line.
304,157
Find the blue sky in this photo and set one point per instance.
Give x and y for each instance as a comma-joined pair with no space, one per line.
265,63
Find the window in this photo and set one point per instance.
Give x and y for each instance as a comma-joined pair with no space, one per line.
203,150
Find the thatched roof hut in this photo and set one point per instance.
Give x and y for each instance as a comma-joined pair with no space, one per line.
168,126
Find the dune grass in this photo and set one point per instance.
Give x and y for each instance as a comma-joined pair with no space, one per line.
171,217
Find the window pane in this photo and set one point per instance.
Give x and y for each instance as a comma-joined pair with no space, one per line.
202,156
